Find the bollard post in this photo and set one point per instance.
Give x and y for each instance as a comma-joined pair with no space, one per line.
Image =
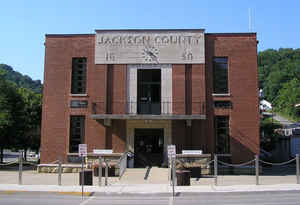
297,168
216,169
82,175
20,167
173,175
100,171
59,170
257,169
106,172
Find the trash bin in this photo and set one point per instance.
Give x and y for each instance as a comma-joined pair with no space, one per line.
96,170
130,160
183,177
88,177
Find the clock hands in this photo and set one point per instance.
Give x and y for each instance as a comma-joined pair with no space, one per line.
151,55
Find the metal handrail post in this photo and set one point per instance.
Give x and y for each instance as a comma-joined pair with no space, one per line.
106,172
20,167
100,172
59,170
216,169
297,168
257,169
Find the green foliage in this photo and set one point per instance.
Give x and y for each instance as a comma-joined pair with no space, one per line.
20,111
287,97
31,123
11,109
279,76
20,80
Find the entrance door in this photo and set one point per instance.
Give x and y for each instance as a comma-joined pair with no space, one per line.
149,91
148,147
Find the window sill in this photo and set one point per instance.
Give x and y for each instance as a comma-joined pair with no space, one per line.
79,95
221,95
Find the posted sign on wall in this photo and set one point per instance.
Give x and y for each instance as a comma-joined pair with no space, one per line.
171,151
149,46
82,150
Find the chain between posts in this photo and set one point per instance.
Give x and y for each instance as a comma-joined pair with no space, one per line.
277,164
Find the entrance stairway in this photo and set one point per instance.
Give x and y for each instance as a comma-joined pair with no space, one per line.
151,175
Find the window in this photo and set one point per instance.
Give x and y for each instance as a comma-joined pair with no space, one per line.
149,91
78,76
77,130
220,74
222,135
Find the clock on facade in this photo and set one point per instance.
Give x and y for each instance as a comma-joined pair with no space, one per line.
150,54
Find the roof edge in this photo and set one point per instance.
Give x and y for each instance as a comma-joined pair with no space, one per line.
141,30
69,35
233,34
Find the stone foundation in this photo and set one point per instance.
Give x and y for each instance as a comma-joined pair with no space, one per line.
196,164
53,168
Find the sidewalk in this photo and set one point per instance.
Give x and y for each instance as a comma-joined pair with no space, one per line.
146,189
33,181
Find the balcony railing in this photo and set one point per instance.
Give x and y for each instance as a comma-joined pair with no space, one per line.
149,108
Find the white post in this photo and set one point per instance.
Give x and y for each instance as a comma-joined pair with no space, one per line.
216,169
20,167
59,170
257,169
100,171
297,168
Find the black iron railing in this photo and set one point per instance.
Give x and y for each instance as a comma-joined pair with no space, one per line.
150,108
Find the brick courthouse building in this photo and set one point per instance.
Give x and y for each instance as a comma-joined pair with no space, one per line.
141,90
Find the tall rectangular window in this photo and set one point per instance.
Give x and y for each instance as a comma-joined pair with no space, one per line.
220,74
78,76
77,130
222,135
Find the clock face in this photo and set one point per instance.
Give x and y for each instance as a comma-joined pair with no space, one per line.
150,54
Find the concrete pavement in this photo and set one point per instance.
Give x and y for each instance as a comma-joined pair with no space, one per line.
147,189
220,198
33,181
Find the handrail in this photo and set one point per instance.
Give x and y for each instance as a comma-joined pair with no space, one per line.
123,164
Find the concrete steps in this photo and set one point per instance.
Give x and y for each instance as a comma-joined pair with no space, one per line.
153,175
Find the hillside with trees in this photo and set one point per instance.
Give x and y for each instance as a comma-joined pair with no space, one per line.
20,111
20,80
279,77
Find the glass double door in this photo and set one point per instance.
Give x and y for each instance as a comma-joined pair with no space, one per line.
149,91
148,147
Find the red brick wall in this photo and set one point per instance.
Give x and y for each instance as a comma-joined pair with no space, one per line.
57,95
198,88
178,89
119,82
241,51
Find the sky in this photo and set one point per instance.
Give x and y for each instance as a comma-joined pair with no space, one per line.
24,23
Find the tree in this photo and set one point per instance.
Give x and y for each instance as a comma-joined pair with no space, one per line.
279,73
31,123
287,97
11,107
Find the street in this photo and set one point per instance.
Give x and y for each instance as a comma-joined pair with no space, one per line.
242,198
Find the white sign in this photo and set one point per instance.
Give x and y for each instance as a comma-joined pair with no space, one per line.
102,151
82,150
191,152
150,46
171,151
